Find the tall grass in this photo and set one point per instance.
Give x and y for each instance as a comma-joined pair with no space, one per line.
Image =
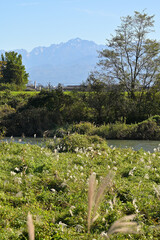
95,196
30,227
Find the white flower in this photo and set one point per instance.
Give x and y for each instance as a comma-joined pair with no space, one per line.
115,168
146,176
17,169
53,190
111,204
19,194
70,210
141,159
75,167
79,228
62,225
131,171
134,204
12,173
76,149
103,234
18,180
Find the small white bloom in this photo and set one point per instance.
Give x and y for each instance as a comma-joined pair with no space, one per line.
12,173
18,180
62,225
111,204
19,194
76,149
75,167
79,228
53,190
17,169
115,168
70,210
146,176
131,171
104,234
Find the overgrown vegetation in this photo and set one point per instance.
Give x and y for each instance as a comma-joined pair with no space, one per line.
52,184
42,113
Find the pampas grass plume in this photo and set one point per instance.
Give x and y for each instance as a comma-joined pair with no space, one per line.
30,227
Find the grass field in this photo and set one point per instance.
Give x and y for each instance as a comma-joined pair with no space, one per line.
52,184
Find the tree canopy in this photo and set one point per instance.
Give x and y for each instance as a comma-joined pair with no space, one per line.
12,70
130,58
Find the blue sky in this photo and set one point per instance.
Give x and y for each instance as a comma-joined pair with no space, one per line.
30,23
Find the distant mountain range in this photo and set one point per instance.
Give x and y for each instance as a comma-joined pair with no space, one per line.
67,63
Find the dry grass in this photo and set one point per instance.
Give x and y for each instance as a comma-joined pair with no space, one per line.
124,225
95,196
30,227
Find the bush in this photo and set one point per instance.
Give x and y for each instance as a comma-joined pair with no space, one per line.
147,130
5,110
77,141
156,118
84,128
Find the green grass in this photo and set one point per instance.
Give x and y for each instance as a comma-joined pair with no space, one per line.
53,187
30,93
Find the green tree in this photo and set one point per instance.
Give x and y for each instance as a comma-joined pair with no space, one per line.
13,71
131,59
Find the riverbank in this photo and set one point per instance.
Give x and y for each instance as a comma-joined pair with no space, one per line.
145,130
146,145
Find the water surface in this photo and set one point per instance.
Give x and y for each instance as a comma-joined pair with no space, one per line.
147,145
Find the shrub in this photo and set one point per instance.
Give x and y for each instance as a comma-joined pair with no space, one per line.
156,118
146,130
77,141
84,128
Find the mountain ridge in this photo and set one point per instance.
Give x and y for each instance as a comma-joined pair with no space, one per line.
67,63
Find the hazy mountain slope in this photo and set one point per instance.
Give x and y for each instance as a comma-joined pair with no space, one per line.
65,63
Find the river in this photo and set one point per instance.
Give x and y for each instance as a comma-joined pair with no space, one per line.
147,145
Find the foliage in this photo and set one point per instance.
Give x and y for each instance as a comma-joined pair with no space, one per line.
83,128
130,58
13,71
145,130
45,112
77,141
53,187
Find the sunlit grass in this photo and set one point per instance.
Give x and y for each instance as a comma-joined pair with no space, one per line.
53,187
